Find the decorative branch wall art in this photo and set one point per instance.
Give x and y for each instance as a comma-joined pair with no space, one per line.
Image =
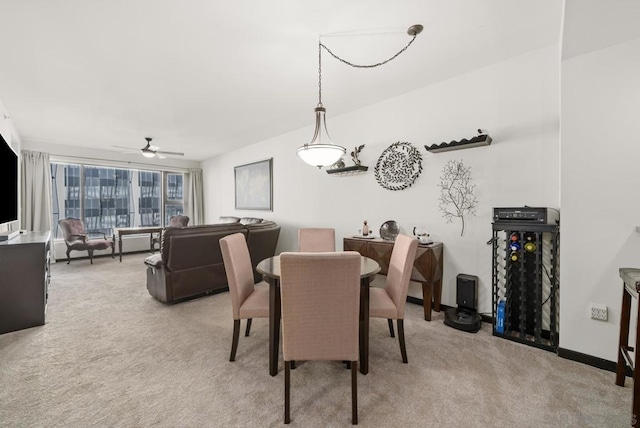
399,166
457,196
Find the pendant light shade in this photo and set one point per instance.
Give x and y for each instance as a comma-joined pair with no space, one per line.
321,151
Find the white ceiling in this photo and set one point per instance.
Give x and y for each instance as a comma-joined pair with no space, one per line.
205,77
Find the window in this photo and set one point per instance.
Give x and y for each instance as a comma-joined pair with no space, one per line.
173,202
106,198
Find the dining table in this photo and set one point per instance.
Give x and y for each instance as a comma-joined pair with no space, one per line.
269,268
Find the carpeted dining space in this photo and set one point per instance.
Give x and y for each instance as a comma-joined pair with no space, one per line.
111,355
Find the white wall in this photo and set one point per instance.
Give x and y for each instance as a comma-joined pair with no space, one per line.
600,191
517,101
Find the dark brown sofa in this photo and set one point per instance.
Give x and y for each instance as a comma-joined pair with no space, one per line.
190,264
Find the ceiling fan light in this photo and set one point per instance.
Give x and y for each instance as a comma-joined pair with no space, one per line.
147,153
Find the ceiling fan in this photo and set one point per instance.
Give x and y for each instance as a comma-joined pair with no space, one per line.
150,151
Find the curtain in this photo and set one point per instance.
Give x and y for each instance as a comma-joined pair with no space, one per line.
35,184
196,200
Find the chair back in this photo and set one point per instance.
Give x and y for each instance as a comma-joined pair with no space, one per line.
179,221
316,239
320,305
70,227
237,264
400,267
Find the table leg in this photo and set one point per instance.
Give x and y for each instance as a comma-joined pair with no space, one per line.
427,292
274,325
120,246
364,326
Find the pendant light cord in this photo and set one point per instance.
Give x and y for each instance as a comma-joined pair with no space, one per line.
319,73
321,45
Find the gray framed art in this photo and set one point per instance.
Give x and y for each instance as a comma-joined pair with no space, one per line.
254,186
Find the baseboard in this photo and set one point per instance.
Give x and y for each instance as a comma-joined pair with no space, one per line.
590,360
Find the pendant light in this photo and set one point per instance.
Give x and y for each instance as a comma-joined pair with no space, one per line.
321,151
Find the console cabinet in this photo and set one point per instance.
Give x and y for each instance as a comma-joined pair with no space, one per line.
427,267
24,280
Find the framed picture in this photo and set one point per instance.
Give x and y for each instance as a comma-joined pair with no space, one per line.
254,188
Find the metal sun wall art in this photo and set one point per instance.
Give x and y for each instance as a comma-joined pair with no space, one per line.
399,166
457,196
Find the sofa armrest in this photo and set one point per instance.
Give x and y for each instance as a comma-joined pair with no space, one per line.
154,261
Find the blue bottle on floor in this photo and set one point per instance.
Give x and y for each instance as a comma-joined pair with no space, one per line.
500,317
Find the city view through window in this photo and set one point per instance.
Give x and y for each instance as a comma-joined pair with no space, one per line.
106,198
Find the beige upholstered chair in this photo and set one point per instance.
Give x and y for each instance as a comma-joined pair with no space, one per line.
315,239
389,302
174,221
320,310
247,301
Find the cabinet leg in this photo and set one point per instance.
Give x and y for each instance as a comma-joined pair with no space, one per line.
437,295
427,292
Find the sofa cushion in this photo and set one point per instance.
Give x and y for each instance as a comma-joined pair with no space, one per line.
250,220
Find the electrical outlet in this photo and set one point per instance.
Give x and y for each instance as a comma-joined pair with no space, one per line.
599,312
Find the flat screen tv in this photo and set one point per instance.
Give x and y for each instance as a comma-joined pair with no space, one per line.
8,183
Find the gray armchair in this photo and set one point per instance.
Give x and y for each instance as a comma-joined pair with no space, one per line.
76,237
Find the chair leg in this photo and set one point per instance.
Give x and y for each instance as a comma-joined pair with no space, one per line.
354,393
236,336
287,391
90,255
390,321
246,333
293,365
403,348
68,258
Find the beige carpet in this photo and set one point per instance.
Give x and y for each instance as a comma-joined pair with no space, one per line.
112,356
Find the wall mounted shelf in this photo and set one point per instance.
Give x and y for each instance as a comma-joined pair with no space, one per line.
480,140
349,170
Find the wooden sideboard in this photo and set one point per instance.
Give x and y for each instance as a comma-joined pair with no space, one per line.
24,280
427,267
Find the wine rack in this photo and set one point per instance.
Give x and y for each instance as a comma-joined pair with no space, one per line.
526,278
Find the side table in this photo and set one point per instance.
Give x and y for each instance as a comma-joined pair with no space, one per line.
427,267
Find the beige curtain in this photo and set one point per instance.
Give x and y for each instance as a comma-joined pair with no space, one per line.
195,197
35,187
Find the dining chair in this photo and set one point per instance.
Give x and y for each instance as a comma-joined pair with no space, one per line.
315,239
320,294
247,301
389,302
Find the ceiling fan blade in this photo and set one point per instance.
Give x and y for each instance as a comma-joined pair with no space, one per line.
126,148
170,153
153,148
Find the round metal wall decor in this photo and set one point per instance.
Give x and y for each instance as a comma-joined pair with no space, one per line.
398,166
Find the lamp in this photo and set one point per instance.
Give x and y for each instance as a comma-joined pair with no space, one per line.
321,151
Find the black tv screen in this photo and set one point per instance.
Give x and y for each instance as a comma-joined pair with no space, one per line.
9,180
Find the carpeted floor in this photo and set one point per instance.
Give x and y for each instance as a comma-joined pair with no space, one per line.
110,355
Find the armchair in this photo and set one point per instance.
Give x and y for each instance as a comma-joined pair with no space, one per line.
76,237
